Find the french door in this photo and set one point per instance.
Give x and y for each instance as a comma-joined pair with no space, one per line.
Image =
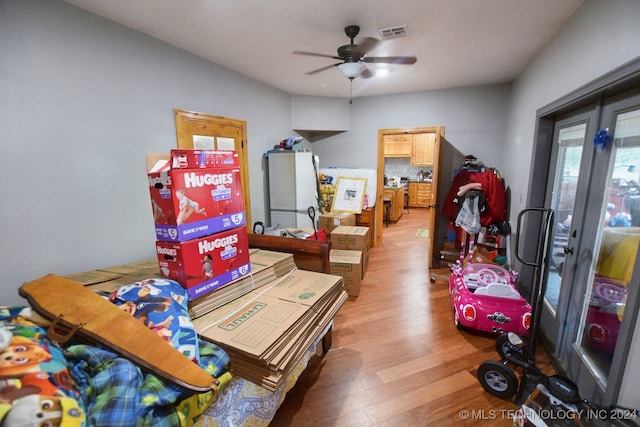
593,349
571,155
592,298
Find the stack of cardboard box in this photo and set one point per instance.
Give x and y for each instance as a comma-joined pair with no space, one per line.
198,209
349,255
266,331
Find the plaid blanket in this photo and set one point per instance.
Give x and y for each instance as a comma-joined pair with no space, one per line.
118,393
84,385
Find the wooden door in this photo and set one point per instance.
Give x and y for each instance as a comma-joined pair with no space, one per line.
433,206
207,132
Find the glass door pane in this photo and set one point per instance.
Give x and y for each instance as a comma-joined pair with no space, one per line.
570,143
616,246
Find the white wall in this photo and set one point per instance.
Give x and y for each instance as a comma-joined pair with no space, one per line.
82,100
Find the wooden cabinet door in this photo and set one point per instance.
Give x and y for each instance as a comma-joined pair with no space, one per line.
397,145
413,194
207,132
423,149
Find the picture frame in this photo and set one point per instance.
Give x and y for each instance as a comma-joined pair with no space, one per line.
349,195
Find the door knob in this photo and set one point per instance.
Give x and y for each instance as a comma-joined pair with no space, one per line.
568,250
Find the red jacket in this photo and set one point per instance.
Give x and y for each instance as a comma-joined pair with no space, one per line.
494,192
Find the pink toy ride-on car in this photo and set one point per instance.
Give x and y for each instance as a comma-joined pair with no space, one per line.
484,297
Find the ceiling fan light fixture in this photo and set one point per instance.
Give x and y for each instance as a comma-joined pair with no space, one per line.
381,72
351,70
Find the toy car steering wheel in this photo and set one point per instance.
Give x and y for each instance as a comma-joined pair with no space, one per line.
487,276
610,292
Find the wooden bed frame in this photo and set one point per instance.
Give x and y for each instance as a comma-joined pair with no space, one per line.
310,255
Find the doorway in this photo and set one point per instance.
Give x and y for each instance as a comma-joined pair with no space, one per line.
208,132
421,148
588,147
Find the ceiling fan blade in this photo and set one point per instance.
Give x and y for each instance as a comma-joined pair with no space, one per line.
322,69
403,60
322,55
366,74
366,46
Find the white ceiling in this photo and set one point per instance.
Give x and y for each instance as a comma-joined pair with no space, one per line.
457,42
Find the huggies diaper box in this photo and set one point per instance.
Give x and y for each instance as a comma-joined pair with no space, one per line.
195,193
205,264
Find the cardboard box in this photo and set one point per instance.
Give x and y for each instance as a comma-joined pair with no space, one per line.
205,264
258,323
352,238
480,255
331,220
195,193
348,264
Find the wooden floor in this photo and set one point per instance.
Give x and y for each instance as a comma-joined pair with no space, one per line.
397,358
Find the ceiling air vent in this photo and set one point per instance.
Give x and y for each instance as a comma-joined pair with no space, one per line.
393,32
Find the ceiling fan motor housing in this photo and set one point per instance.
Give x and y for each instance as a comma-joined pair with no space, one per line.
347,53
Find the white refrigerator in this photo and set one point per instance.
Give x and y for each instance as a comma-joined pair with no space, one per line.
293,185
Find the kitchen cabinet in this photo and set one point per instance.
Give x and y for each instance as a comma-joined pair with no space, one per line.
419,194
396,196
423,149
398,145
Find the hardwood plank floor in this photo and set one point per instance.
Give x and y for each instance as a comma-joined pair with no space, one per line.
397,358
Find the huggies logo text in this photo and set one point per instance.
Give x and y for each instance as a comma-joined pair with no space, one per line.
193,179
206,246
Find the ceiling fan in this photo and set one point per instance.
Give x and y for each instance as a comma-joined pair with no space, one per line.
354,57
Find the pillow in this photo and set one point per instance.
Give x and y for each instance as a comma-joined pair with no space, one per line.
161,304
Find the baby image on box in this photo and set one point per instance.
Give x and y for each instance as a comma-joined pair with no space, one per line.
187,207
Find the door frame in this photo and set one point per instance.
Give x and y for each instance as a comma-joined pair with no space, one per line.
433,225
238,127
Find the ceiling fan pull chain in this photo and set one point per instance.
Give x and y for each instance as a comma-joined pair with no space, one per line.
350,91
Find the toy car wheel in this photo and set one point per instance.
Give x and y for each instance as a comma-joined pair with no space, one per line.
498,379
456,320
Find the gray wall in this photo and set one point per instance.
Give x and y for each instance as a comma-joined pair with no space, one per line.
474,119
598,38
82,100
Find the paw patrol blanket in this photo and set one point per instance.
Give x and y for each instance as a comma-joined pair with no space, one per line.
86,385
